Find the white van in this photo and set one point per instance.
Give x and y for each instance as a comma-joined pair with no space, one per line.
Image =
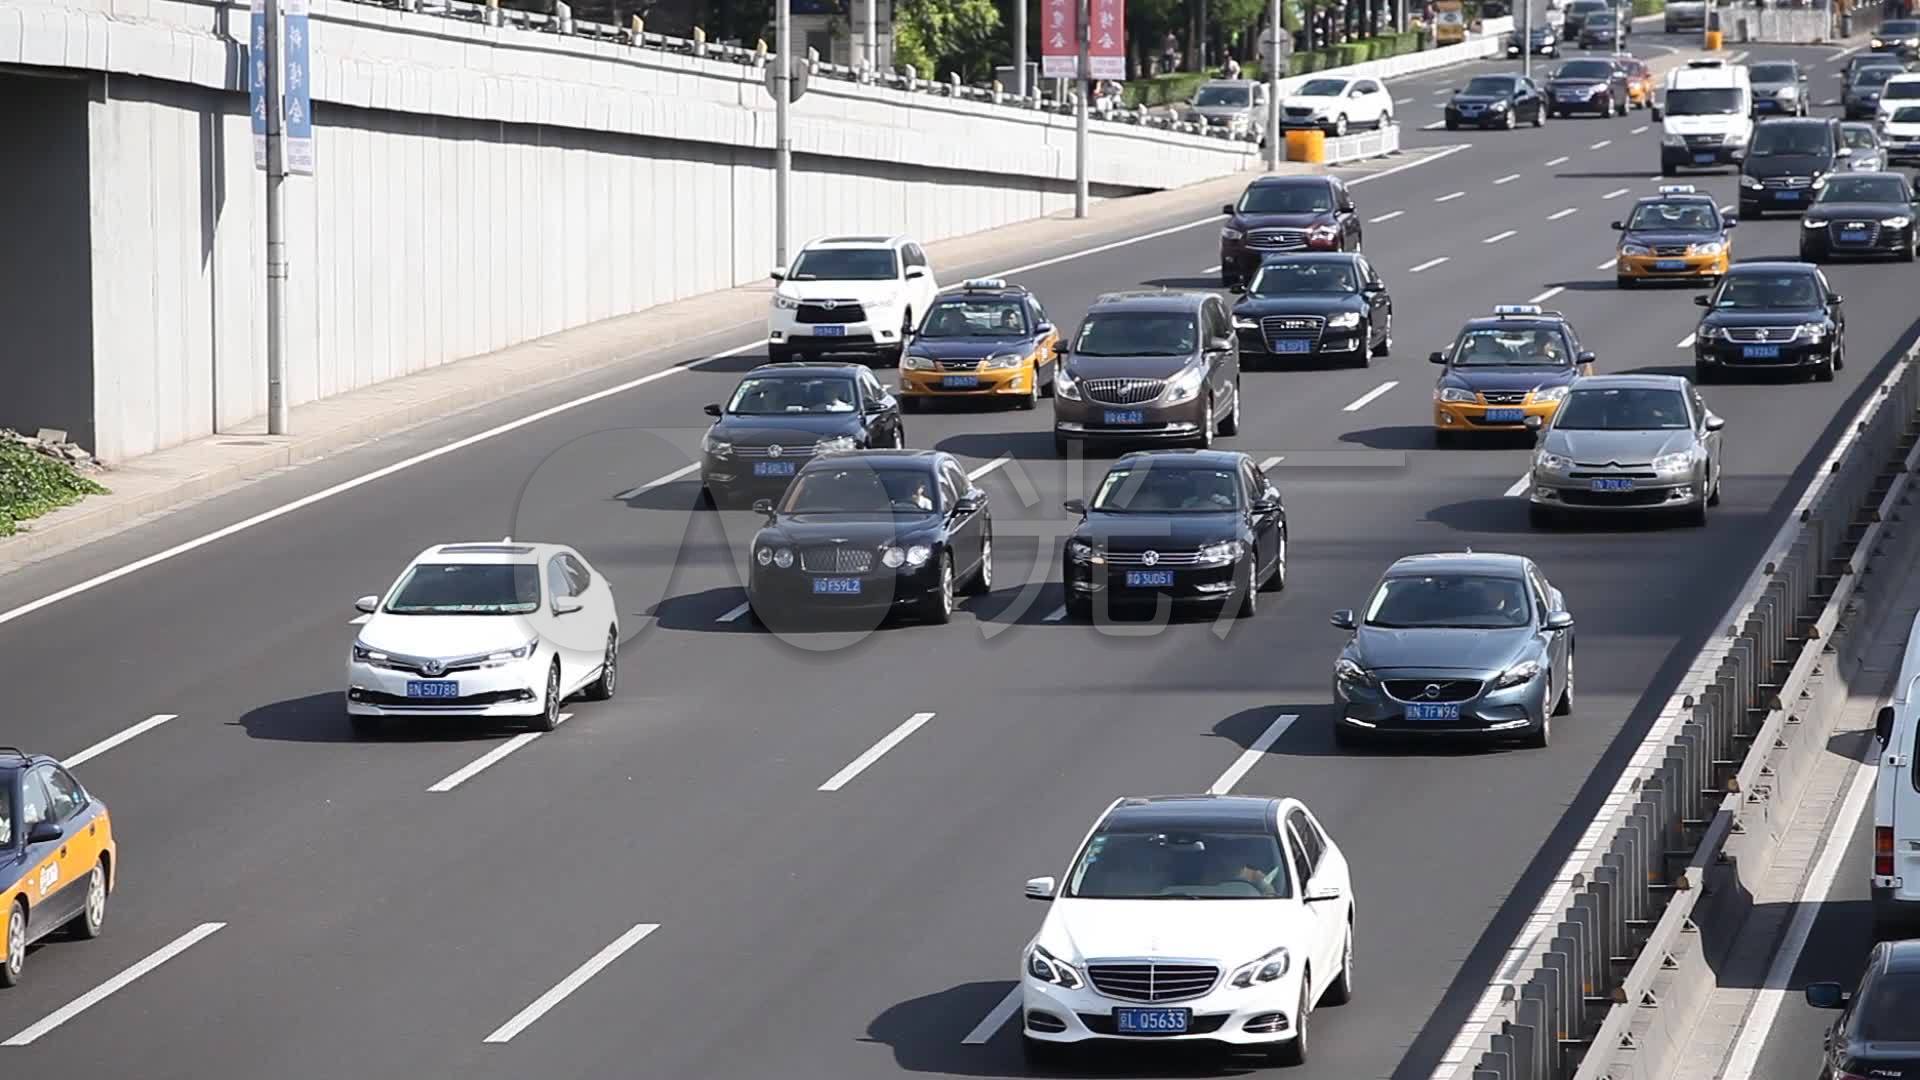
1896,804
1706,116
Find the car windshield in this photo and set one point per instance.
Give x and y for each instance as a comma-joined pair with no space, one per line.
860,489
1889,1013
1323,88
1291,278
1622,409
1222,96
1586,7
1858,136
1902,90
1906,114
1703,101
1167,490
1585,69
845,264
1138,333
995,317
1511,347
1449,601
1678,216
1870,78
1899,28
1864,189
1185,864
467,589
1308,198
1773,73
1762,292
1775,140
1488,86
793,395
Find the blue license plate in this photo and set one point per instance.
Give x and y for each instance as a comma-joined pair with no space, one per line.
773,468
1787,196
1761,352
829,331
1149,579
1670,264
1505,416
419,688
1432,711
1151,1021
836,586
1294,345
1703,159
1126,416
960,382
1611,483
1853,236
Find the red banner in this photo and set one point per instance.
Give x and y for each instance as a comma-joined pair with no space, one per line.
1060,38
1107,39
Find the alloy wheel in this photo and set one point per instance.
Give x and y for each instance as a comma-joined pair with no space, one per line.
16,944
96,909
986,564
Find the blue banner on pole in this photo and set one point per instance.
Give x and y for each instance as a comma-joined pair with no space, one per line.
299,89
257,81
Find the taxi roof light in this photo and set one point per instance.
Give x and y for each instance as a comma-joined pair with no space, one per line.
1516,309
1678,189
985,283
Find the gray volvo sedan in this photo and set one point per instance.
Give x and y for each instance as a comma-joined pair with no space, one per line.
1473,644
1633,443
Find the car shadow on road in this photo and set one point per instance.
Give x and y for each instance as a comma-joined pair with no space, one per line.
684,495
322,718
1423,437
987,445
1210,282
1683,370
1640,174
1311,735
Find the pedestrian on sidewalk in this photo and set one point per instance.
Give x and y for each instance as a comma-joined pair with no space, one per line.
1232,70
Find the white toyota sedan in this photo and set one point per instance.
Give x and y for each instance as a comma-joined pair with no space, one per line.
493,630
1209,918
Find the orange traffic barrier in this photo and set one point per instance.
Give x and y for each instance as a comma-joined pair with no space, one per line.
1713,40
1308,145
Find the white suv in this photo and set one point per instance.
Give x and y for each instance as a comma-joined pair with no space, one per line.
850,294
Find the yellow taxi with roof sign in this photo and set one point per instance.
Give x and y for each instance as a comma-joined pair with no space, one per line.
1505,370
57,857
985,339
1678,234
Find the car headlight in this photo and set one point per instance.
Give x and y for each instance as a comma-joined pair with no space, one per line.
1812,331
1518,674
1635,249
1549,393
1810,223
918,554
1819,181
783,557
764,556
1457,395
1241,322
364,655
508,656
1323,234
1224,552
1545,462
1597,89
716,446
1081,551
1049,968
1711,247
1264,969
1065,387
1498,106
918,363
1186,385
893,558
1877,44
1349,672
1787,92
1899,222
837,442
786,303
1751,182
1736,138
1003,361
1230,234
1677,462
1671,139
1346,320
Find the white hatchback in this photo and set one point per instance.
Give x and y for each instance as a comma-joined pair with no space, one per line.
1207,918
495,630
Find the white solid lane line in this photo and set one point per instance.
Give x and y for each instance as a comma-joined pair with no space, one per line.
1727,209
1211,270
1556,216
1362,401
1608,265
876,751
1443,91
1428,265
491,758
114,985
1641,130
1448,151
1507,179
1403,101
1272,461
1548,295
734,614
1244,764
1601,145
112,741
1499,236
545,1002
676,474
983,1031
983,470
1450,197
1616,193
1684,343
1556,161
1518,487
1435,126
1389,216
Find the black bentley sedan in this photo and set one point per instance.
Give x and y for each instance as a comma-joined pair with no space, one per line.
1202,526
1860,214
1770,316
871,531
1330,306
1504,101
781,415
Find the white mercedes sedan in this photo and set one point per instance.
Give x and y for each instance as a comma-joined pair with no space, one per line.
491,630
1208,918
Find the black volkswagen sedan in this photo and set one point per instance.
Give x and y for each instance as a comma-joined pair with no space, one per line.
1770,316
1331,306
1588,86
1286,213
1789,160
1860,214
1505,101
1541,42
1202,526
872,531
781,415
1877,1033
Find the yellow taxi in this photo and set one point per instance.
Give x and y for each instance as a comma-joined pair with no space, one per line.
57,856
987,339
1678,234
1504,369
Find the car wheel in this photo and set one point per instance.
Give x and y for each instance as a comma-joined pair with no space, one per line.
549,717
93,914
366,727
1452,124
1666,169
1620,282
1824,373
1539,118
909,404
982,581
1386,340
1277,580
1340,990
1031,399
1808,254
1340,126
16,963
1079,608
1511,121
1231,424
937,608
1713,495
1059,447
1540,736
1564,707
1293,1052
1912,245
1249,586
1345,737
1207,425
906,342
1542,517
604,686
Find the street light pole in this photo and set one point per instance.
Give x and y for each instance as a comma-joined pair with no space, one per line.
1080,114
1020,48
1526,38
782,141
873,37
1273,89
276,233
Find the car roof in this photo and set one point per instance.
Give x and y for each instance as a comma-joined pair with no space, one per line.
12,757
882,458
1342,258
1900,956
1552,320
1460,562
854,241
1191,812
983,287
1771,266
1154,300
1676,197
1228,82
1631,382
1198,459
1906,76
803,368
1798,121
497,552
1878,174
1291,181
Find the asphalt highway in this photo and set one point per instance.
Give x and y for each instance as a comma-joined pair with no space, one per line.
372,926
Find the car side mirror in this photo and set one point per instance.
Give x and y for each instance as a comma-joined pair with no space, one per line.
712,408
1227,209
1844,152
1374,287
1533,423
366,604
1826,995
763,506
1343,619
566,605
914,273
45,832
1220,344
1238,287
1883,724
1702,301
1263,506
1320,894
1715,423
1585,358
1619,227
1559,620
1657,112
1730,222
970,503
1836,299
1043,329
878,405
1075,506
778,273
1436,358
1040,888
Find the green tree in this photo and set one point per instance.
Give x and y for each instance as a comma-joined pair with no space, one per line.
938,36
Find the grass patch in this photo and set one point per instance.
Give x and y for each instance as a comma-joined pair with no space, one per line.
32,484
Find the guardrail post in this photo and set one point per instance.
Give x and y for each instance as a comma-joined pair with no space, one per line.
699,41
1504,1055
493,12
563,16
1530,1036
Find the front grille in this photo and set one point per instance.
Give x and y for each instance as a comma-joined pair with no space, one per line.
1278,239
1105,1024
802,452
1153,981
1289,325
1447,689
1670,249
470,701
1641,497
840,311
1761,335
418,664
1299,113
1504,397
1632,473
1871,228
1125,391
1162,558
959,365
1470,110
1779,183
835,559
1704,140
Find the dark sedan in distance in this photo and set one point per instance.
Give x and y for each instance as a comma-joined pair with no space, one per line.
871,531
781,415
1596,86
1202,526
1860,214
1770,316
1861,99
1877,1033
1543,42
1286,213
1788,162
1505,101
1331,306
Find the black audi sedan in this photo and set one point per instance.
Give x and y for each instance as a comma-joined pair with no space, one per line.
1877,1033
1588,86
1190,526
1770,316
1860,214
781,415
871,531
1286,213
1326,306
1789,160
1505,101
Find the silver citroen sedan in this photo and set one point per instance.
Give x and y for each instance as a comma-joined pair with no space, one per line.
1456,644
1633,443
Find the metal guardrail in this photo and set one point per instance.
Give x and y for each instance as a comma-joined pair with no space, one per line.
1608,979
